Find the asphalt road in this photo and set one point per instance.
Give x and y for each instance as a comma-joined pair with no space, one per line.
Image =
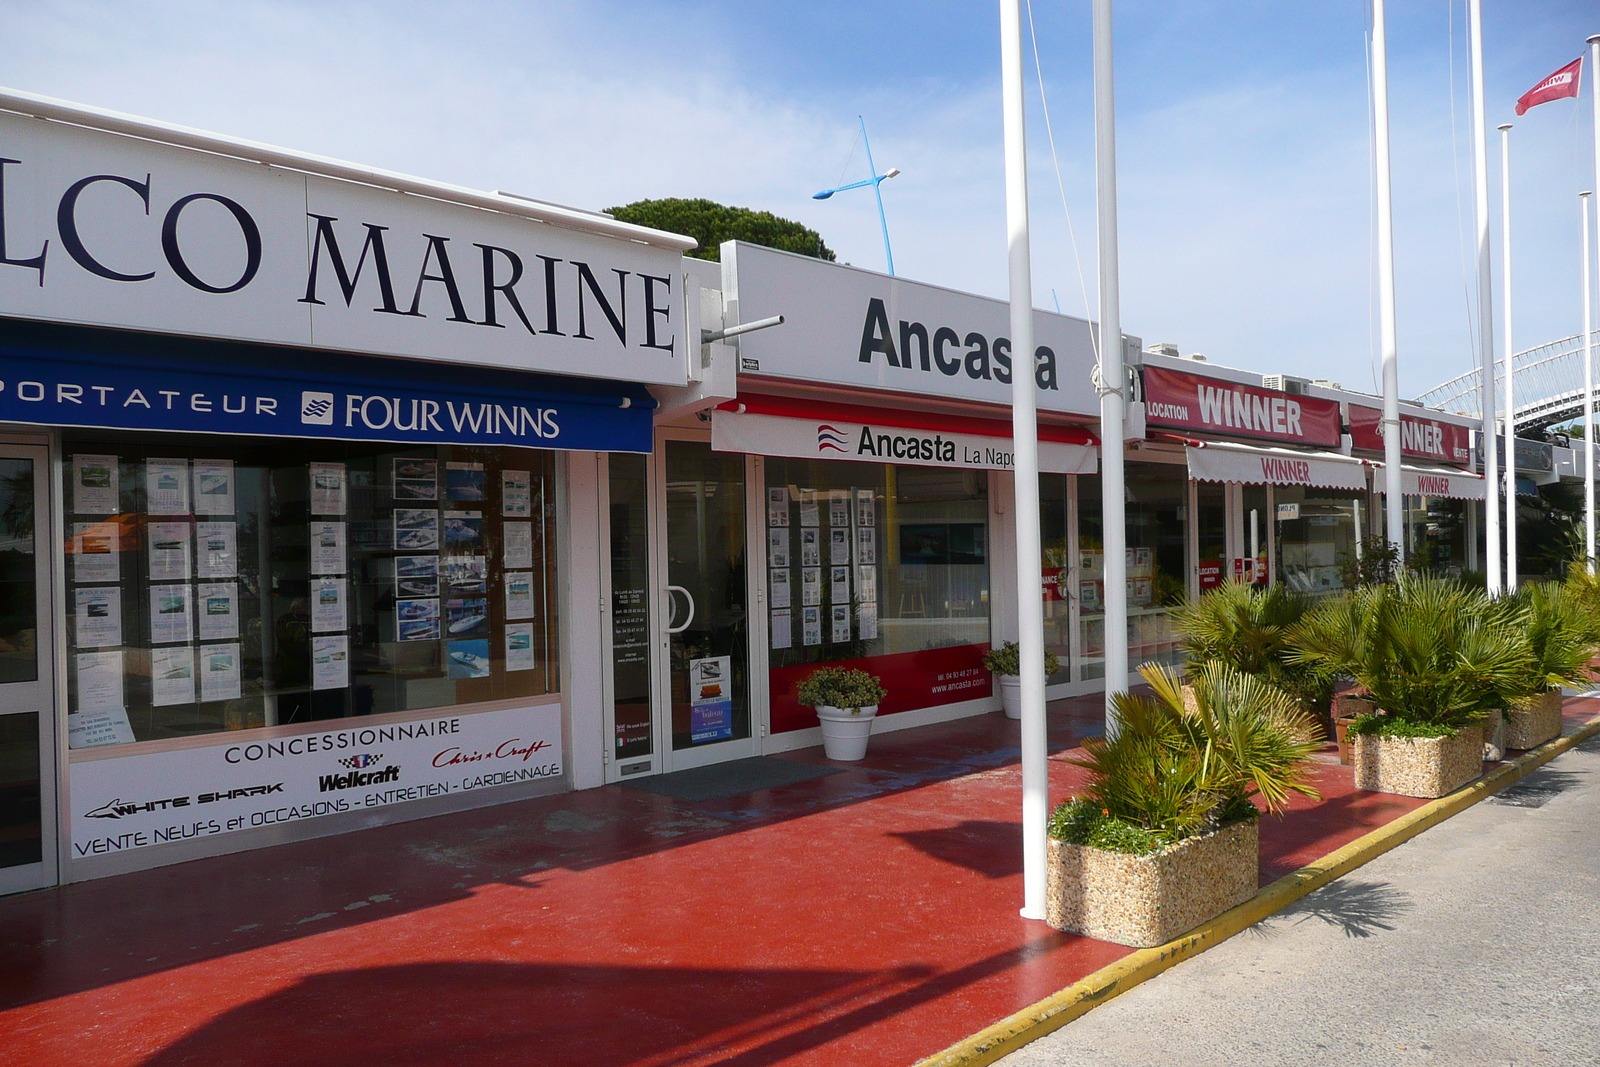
1476,943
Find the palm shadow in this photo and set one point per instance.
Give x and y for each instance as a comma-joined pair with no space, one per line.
1361,909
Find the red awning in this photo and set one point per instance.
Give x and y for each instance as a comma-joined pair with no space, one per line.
790,407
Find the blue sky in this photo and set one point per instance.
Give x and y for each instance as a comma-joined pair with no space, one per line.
1243,136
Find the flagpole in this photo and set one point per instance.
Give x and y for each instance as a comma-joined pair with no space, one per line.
1113,378
1480,189
1588,400
1025,470
1394,502
1505,314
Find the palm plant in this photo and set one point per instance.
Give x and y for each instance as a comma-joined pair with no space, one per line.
1249,630
1174,771
1560,639
1582,592
1435,656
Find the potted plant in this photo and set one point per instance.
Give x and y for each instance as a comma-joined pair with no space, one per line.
846,700
1560,643
1434,657
1164,835
1005,661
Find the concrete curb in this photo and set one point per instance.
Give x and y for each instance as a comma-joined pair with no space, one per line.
1078,999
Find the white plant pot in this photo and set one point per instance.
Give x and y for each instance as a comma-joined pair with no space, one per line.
845,731
1011,695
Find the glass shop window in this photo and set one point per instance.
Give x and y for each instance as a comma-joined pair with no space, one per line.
218,584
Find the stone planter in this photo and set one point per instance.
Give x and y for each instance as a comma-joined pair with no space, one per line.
1419,766
1346,709
1532,722
1144,901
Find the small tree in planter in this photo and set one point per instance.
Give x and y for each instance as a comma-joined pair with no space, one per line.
1560,642
846,700
1164,836
1434,657
1006,661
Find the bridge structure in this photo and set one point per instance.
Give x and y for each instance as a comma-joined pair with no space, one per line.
1549,386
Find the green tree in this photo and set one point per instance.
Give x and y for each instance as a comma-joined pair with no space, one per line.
711,223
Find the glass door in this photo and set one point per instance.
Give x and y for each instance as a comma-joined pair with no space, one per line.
27,737
703,708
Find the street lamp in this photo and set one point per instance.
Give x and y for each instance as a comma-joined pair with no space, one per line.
875,181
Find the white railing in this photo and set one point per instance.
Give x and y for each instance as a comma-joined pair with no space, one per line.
1549,385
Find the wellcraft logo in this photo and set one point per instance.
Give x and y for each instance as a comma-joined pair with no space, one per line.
830,437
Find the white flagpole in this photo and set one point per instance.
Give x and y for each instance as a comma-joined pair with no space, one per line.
1025,470
1480,189
1588,399
1505,314
1113,378
1393,503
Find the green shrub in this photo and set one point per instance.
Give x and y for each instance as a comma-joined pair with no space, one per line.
1173,771
1560,639
1007,659
841,687
1386,726
1248,629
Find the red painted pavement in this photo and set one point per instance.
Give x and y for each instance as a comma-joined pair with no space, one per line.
865,918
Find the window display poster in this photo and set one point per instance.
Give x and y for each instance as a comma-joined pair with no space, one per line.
517,538
779,582
840,583
464,482
810,586
841,623
810,547
100,682
417,620
219,672
416,576
169,551
416,528
866,508
97,615
95,485
782,621
519,647
217,549
213,486
328,492
465,574
811,626
463,530
166,486
330,662
710,699
468,659
778,547
172,675
109,726
838,546
516,494
866,545
415,479
467,617
217,606
169,615
777,506
519,594
867,621
328,613
810,513
96,555
867,584
327,547
838,507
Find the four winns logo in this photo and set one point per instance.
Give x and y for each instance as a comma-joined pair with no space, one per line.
316,408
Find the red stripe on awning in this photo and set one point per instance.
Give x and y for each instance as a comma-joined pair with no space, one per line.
790,407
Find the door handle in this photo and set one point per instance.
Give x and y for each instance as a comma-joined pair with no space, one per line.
671,629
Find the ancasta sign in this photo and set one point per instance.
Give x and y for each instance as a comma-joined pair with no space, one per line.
1179,400
108,230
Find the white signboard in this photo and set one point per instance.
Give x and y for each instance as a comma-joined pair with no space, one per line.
117,231
1275,466
1435,481
847,326
132,802
777,435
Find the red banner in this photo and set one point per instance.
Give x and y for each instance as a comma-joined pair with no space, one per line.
1420,438
1211,405
923,679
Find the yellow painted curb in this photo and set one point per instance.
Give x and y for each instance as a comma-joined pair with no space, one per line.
1078,999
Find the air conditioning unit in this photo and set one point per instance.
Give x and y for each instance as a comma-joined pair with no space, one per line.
1164,348
1324,383
1285,383
1198,357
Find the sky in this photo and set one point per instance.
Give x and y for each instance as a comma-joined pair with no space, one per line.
1243,137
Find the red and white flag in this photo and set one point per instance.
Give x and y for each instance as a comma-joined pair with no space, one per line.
1563,83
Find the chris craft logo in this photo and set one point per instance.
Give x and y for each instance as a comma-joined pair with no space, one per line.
359,777
118,808
830,437
316,409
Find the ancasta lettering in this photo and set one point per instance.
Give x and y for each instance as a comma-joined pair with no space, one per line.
946,351
328,783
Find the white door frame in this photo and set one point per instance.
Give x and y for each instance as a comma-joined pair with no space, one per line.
39,696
